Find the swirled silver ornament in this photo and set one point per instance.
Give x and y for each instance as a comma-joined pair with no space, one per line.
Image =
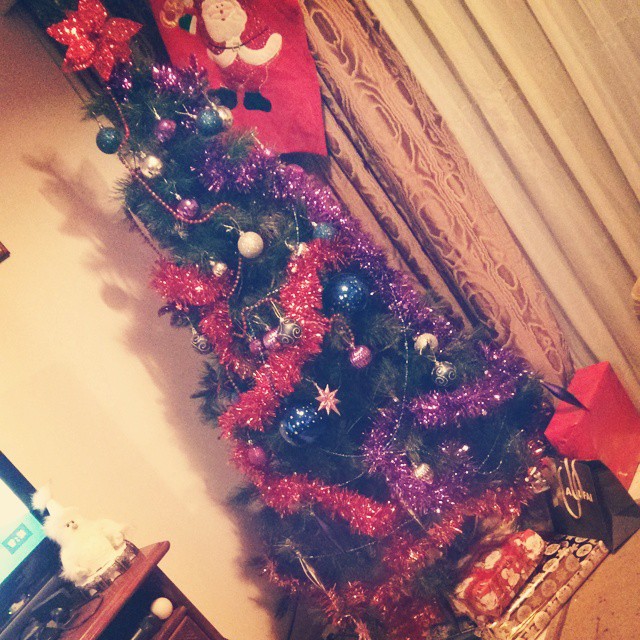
200,342
289,331
444,374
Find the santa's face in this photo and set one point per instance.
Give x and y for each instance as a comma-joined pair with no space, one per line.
224,19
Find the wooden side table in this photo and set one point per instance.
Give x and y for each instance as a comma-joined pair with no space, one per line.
116,613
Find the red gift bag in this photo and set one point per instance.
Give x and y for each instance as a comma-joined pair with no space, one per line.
258,59
608,431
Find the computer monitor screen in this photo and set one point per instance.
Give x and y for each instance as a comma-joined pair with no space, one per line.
28,559
20,531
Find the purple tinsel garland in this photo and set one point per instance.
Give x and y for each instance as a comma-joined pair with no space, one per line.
188,81
417,494
290,185
502,377
187,85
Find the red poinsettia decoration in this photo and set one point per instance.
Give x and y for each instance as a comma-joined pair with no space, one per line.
94,38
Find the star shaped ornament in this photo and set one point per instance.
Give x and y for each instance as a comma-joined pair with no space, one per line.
327,400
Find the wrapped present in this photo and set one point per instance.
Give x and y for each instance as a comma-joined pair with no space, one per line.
609,430
496,576
567,562
588,500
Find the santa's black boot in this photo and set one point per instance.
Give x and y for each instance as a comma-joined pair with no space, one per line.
227,97
254,101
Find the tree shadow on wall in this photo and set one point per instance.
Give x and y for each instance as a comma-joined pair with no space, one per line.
123,262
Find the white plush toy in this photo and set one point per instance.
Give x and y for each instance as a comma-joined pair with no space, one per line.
87,547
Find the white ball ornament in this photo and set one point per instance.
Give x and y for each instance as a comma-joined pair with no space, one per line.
151,167
426,341
250,244
162,608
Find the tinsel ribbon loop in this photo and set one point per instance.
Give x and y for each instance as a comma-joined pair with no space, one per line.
189,287
503,376
301,299
286,494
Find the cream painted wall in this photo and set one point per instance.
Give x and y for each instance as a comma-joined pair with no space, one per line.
94,387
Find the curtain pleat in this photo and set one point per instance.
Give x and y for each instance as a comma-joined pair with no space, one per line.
599,46
392,146
525,87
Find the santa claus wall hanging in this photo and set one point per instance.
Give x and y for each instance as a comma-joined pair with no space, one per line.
257,56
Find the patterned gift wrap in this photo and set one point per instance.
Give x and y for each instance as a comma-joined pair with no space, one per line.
567,563
497,575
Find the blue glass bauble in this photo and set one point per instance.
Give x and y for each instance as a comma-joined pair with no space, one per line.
301,424
108,140
346,293
209,122
324,231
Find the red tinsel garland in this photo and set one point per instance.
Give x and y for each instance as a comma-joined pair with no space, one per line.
286,494
216,324
188,287
301,300
405,555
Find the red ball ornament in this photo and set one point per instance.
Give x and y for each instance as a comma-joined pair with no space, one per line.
165,129
257,457
270,339
188,208
360,356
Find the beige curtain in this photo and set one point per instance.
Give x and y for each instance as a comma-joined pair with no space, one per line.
398,168
544,97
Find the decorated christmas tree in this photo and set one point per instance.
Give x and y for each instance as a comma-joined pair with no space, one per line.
379,439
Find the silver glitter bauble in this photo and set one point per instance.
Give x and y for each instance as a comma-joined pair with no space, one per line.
444,374
151,167
200,343
288,331
423,471
250,244
426,341
218,268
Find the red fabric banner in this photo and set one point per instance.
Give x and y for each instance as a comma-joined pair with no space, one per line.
258,59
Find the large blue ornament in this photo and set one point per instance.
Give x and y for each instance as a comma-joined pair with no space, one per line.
324,231
301,424
209,122
346,293
108,140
